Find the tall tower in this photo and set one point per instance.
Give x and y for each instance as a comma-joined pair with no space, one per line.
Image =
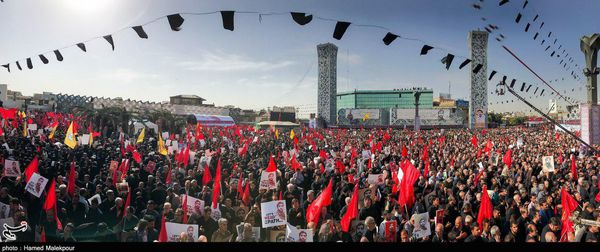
326,108
478,105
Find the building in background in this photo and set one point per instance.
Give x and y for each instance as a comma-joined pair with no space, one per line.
478,106
282,114
385,99
327,90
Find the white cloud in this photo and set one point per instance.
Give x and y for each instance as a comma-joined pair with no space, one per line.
211,61
348,58
127,75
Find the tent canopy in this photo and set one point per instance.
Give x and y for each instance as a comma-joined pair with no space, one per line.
139,125
214,120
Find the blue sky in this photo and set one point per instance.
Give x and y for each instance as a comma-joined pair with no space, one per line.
273,61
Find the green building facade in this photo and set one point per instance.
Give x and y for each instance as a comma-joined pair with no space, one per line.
384,99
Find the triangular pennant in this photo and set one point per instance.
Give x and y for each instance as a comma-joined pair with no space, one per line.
425,49
389,38
7,66
59,56
518,19
492,75
43,59
340,29
301,18
467,61
29,63
477,68
140,31
175,21
227,17
81,46
109,39
448,60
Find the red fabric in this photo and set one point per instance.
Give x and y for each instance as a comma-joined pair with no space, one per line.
340,166
217,185
50,202
71,183
426,171
43,235
507,159
271,167
295,165
31,169
425,154
573,167
246,195
313,212
477,178
240,187
485,208
125,169
569,204
206,177
478,153
136,156
351,211
560,159
185,209
598,195
407,195
474,141
162,236
127,202
323,155
557,136
404,151
186,156
488,147
168,179
8,113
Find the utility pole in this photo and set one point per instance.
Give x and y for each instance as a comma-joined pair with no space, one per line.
417,119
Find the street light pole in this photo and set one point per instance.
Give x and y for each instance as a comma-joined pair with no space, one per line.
417,119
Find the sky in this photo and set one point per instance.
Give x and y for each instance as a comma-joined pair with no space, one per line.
272,61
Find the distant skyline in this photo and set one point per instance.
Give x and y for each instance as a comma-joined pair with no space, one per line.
271,60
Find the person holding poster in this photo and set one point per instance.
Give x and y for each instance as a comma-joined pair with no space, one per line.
273,213
11,168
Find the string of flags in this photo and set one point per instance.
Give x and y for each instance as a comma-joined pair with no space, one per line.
566,61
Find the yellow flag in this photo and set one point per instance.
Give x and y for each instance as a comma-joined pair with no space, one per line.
366,117
141,136
277,134
25,129
292,134
51,136
70,137
91,138
161,146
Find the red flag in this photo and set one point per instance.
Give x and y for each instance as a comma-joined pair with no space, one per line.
186,156
168,179
246,195
271,167
322,168
488,147
280,195
162,236
136,156
474,141
569,204
206,177
323,155
557,136
404,151
598,195
340,166
425,154
313,212
50,203
407,195
351,211
31,169
295,165
507,159
485,208
127,202
426,172
240,187
185,209
71,183
43,235
478,153
573,167
217,185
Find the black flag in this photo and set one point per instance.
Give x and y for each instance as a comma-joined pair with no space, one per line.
549,34
301,18
547,48
523,87
527,91
448,60
467,61
502,2
518,18
512,83
536,35
19,66
175,21
536,89
109,39
542,25
527,27
389,38
81,46
43,59
425,49
543,40
340,29
477,68
492,75
504,79
525,4
29,64
59,56
227,17
552,55
140,31
7,66
535,18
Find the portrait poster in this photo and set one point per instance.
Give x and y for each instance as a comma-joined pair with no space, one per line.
421,227
391,229
294,234
36,184
150,167
277,236
548,163
273,213
195,206
11,168
268,180
376,179
174,231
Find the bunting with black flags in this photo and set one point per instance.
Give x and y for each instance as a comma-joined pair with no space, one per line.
425,49
140,31
175,21
228,23
301,18
448,60
340,29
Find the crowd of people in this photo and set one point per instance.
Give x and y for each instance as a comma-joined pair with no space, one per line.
454,167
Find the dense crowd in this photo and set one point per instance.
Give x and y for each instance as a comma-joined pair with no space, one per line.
526,201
